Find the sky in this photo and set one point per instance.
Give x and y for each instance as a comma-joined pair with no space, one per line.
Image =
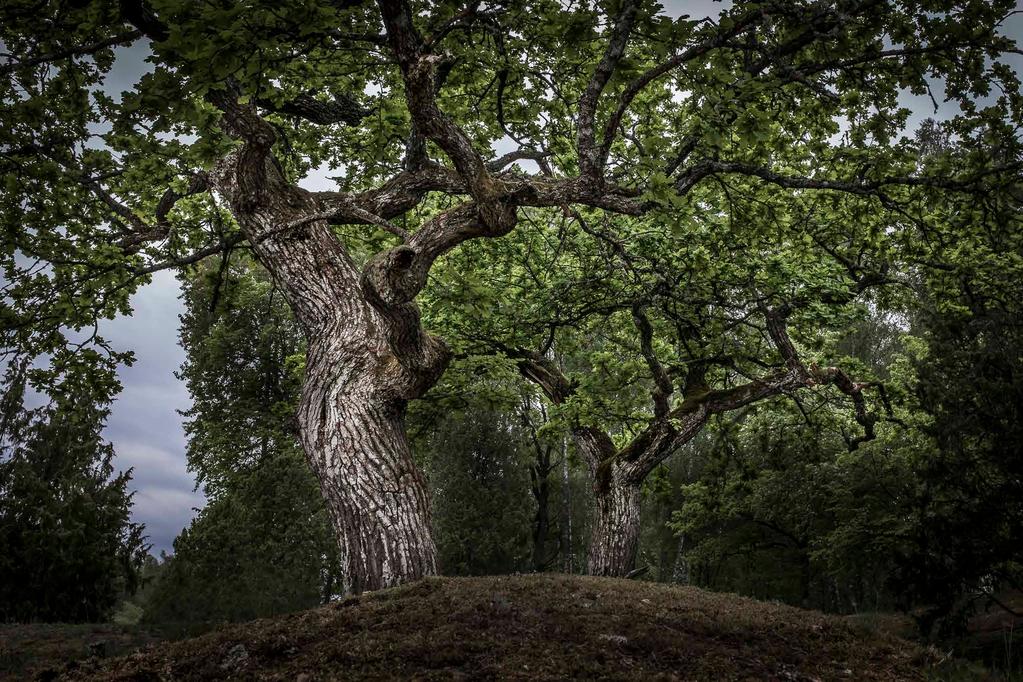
145,422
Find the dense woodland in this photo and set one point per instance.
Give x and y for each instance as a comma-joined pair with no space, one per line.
599,291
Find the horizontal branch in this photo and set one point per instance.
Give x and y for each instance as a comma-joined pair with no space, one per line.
343,109
706,168
228,243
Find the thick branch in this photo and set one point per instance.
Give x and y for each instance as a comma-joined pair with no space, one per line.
511,157
705,168
343,109
590,155
250,162
400,194
544,373
667,434
396,276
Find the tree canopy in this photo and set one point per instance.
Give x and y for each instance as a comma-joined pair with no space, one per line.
655,221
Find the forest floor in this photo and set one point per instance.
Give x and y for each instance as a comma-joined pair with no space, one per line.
27,646
529,627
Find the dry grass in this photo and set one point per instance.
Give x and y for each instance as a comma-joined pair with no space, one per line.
539,627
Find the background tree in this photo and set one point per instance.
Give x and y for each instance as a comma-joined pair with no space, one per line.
723,131
479,479
969,319
489,454
260,548
68,548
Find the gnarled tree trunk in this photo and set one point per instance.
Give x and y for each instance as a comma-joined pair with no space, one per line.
377,498
362,366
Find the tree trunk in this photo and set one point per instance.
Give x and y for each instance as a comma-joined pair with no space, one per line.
540,475
615,538
567,555
351,414
377,497
680,572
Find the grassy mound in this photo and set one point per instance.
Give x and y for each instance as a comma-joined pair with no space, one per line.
529,628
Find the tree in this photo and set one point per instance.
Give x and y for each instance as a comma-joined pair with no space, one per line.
68,548
782,510
260,548
967,529
968,391
483,445
631,117
540,470
477,470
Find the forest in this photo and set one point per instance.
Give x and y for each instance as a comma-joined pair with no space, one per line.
722,295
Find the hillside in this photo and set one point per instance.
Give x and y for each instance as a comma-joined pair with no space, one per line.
528,627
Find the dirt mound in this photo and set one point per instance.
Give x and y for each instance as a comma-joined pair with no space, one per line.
529,628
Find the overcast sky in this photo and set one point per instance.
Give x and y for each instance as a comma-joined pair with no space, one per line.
145,424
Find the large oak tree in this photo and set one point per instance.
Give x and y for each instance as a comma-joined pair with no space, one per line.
737,175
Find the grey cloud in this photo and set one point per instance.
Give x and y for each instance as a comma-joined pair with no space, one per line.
144,425
160,509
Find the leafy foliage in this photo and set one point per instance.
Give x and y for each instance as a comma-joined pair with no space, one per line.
262,549
478,471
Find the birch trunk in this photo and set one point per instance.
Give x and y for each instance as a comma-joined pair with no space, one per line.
567,555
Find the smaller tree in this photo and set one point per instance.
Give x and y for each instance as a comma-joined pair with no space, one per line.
68,547
482,505
260,548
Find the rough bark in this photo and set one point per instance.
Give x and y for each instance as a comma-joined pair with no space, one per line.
361,368
376,496
615,539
